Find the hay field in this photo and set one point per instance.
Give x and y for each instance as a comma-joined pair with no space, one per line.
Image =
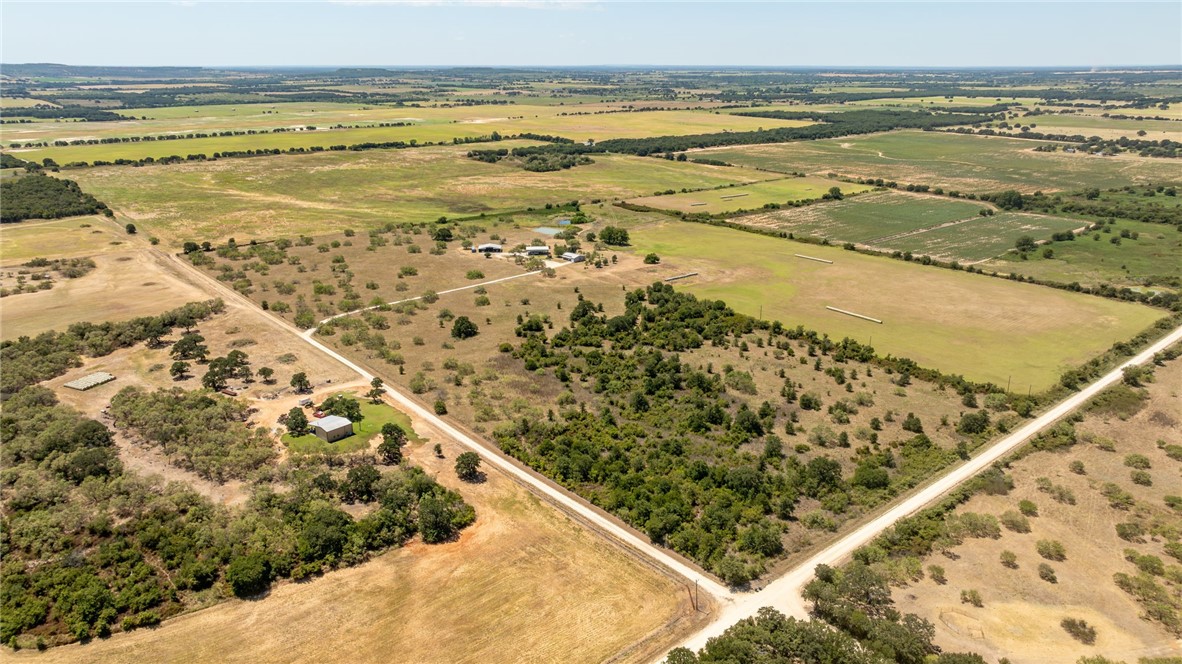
868,217
1021,613
1110,128
949,229
60,238
984,328
123,285
748,197
578,122
952,161
266,197
523,584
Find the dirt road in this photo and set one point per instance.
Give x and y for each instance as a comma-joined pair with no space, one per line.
784,592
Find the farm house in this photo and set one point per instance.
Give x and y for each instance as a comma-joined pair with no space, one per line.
542,250
572,257
489,248
331,428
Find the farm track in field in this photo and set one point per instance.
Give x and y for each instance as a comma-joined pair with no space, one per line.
784,593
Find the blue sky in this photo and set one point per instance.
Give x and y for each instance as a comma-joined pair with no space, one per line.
919,34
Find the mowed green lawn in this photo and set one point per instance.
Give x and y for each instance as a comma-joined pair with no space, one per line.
985,328
284,195
953,161
1156,255
748,197
374,416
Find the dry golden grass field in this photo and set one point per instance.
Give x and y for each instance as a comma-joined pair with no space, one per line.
1021,613
60,238
123,285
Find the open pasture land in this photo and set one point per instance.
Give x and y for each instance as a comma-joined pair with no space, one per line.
974,164
943,228
400,270
268,197
1156,256
1021,615
747,197
984,328
59,238
22,102
867,218
123,285
979,238
578,122
1108,128
481,598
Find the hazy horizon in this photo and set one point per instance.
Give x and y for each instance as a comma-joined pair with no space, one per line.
436,34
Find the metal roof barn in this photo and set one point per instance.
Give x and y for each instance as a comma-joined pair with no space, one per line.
93,380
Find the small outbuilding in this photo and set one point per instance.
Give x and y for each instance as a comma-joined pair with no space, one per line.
332,428
572,257
91,380
541,250
489,248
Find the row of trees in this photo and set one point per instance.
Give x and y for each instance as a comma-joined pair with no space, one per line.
30,360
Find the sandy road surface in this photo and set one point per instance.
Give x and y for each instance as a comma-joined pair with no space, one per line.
784,592
558,496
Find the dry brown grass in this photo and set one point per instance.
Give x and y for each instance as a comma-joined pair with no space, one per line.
1021,615
501,390
123,285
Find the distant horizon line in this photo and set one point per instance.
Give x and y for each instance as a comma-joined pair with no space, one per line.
1096,68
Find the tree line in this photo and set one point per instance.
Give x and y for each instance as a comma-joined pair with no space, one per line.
39,196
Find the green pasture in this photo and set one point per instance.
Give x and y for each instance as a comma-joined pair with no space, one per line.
985,328
374,416
979,238
748,197
285,195
952,161
869,217
1155,255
